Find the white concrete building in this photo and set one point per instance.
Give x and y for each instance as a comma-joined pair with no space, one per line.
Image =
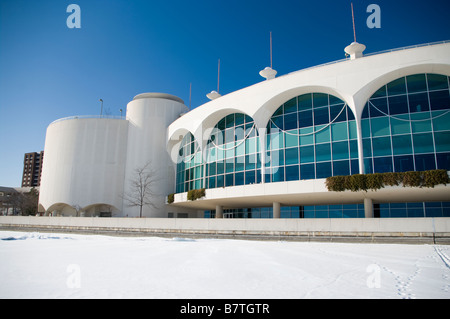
266,150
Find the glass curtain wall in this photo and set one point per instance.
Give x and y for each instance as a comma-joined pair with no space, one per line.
311,136
189,165
232,153
406,125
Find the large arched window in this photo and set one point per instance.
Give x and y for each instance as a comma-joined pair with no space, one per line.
232,153
311,136
406,125
189,165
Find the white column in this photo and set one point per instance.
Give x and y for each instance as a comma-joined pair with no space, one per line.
219,211
368,207
276,210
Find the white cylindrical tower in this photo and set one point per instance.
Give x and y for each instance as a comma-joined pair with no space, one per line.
149,115
84,166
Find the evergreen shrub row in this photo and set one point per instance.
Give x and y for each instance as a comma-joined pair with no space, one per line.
365,182
196,194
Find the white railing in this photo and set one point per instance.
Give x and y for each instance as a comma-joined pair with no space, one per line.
371,54
113,117
408,47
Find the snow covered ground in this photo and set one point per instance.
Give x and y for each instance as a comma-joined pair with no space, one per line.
39,265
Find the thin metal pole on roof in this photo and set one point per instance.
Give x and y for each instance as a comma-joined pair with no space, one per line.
190,95
271,49
101,109
218,76
353,20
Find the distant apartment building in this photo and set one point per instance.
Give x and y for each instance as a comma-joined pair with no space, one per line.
32,168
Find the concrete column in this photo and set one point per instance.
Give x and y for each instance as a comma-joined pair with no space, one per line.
276,210
368,207
219,211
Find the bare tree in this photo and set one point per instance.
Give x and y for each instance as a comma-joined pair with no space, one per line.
142,186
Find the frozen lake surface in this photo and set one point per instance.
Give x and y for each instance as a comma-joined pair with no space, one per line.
44,265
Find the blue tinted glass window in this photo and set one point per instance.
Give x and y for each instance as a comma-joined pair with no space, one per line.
321,116
410,132
189,170
239,179
437,82
382,164
425,162
443,161
314,129
338,113
305,118
340,150
442,140
404,163
250,177
323,152
396,87
220,180
320,100
380,92
291,156
341,168
229,180
278,174
440,100
290,106
381,146
402,144
380,126
416,83
423,143
307,171
418,102
292,173
398,105
305,102
323,170
379,107
290,121
232,149
323,134
307,154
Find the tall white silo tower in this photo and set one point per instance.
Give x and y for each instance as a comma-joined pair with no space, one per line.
149,115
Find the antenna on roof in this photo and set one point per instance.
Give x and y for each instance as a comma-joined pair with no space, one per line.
270,49
269,73
215,94
190,94
218,76
354,50
353,20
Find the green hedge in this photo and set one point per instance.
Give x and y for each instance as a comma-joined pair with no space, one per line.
170,198
196,194
364,182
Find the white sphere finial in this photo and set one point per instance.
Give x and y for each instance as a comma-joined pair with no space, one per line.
268,73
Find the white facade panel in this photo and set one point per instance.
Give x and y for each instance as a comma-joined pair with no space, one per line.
84,164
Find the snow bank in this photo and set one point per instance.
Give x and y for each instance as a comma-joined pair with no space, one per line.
38,265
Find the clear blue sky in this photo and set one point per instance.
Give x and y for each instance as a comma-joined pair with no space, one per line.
123,48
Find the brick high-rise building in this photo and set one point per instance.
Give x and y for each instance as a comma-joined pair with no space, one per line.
32,168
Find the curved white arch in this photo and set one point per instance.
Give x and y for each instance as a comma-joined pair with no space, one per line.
266,110
98,208
364,94
61,209
174,142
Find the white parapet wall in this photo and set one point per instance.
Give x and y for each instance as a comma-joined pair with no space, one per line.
419,230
